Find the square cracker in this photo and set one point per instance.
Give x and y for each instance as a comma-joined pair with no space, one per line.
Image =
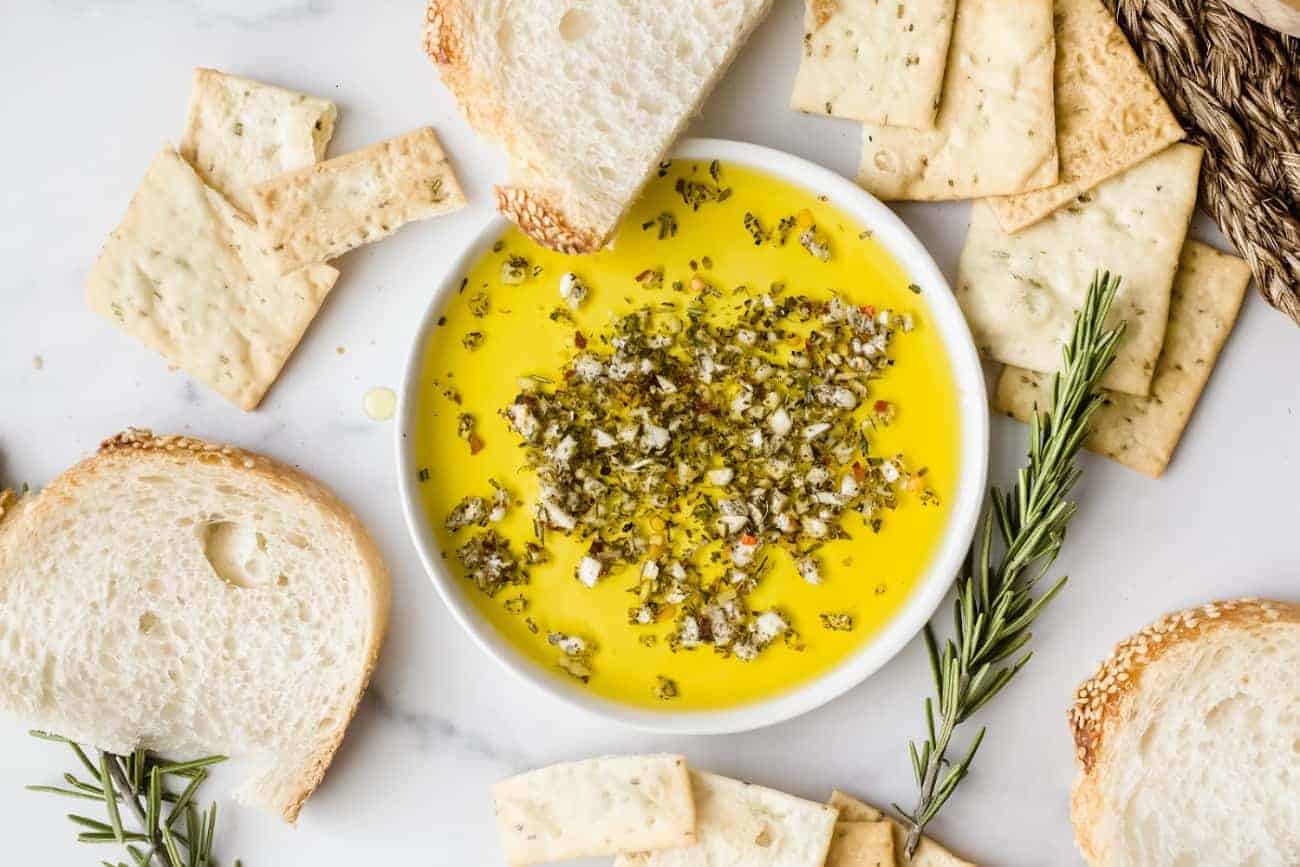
995,132
876,62
740,825
1020,292
595,807
1142,432
861,844
325,210
928,853
1109,115
240,132
185,273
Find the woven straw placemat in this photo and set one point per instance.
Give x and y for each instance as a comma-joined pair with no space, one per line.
1235,86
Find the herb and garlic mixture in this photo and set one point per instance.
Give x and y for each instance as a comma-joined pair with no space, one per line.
708,435
698,467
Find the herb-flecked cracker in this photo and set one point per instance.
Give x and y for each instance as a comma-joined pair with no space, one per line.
595,807
240,132
1020,292
995,132
186,273
1142,432
861,844
876,62
1109,115
741,825
928,853
325,210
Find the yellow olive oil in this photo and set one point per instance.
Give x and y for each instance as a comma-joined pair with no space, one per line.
503,325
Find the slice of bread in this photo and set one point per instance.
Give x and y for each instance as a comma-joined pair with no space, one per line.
587,98
191,598
1188,741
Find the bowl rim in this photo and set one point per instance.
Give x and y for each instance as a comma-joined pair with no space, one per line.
930,588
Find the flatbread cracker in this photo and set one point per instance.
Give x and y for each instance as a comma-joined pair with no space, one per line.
1142,432
596,807
853,810
240,132
861,844
325,210
995,132
186,274
876,62
928,853
1020,292
1109,114
740,825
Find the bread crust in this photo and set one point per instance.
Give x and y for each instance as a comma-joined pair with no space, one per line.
1099,701
135,444
445,23
543,220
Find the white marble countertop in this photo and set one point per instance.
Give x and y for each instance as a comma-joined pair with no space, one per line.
93,87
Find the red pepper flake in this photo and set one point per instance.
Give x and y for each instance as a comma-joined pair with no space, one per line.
579,341
859,474
476,444
868,309
882,406
748,539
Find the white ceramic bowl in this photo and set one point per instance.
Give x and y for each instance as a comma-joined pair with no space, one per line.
929,590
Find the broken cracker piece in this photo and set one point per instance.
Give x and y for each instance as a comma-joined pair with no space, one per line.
186,274
595,807
240,132
325,210
875,62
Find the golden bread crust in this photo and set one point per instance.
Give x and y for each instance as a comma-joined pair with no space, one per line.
545,222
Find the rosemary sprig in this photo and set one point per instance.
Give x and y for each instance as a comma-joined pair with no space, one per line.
138,782
996,603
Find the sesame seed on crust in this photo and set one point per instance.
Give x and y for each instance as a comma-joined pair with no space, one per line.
544,222
143,439
1097,698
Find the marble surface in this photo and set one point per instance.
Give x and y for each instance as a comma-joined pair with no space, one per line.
95,86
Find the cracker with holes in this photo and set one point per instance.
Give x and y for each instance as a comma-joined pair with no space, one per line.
241,132
742,825
1020,292
326,210
186,274
995,132
595,807
1142,432
880,63
1109,115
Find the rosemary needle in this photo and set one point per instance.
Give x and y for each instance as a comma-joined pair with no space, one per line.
139,782
996,603
110,797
